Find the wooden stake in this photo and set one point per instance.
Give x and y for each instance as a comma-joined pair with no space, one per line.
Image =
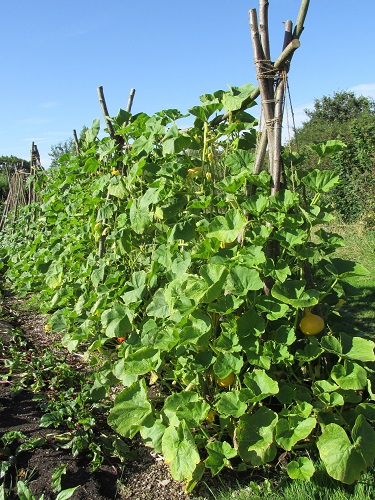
301,18
103,105
265,75
76,142
130,100
31,171
263,26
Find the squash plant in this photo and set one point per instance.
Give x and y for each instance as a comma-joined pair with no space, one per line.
153,257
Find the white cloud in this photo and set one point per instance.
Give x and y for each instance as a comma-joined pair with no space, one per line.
365,89
53,136
45,161
34,121
37,140
50,104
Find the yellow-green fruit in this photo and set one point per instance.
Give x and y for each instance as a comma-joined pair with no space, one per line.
311,324
231,244
226,381
210,416
194,172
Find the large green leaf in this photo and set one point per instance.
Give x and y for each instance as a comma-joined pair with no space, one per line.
349,375
193,412
332,399
271,308
302,469
291,237
233,183
343,269
215,276
226,304
116,321
91,165
321,181
175,141
152,435
227,363
186,286
310,352
227,228
158,307
239,161
250,323
235,98
218,455
252,256
284,200
184,231
151,196
117,188
256,204
259,386
356,348
131,410
122,118
97,275
140,217
255,436
367,410
346,460
291,430
143,145
92,133
178,401
230,404
54,276
241,280
328,148
180,451
206,110
293,292
135,295
196,328
141,361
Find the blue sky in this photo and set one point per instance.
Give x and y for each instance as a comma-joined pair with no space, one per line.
56,53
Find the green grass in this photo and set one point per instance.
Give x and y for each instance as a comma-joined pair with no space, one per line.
321,487
360,247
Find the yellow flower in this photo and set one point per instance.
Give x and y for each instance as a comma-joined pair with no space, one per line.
194,172
115,172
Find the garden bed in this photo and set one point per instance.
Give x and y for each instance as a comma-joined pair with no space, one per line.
145,477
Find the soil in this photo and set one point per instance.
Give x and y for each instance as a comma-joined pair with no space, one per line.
145,477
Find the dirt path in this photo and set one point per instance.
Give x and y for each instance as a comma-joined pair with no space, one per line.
146,477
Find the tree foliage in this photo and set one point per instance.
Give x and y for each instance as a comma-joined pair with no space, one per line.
63,148
351,119
60,149
8,164
342,107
